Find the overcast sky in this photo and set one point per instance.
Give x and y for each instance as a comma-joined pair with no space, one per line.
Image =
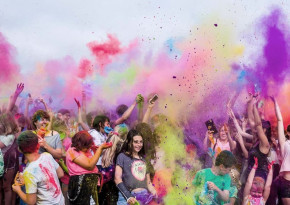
42,30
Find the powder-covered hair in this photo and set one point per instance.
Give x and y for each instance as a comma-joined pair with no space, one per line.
118,138
27,142
38,115
82,140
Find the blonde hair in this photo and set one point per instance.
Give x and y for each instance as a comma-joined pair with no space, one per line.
118,138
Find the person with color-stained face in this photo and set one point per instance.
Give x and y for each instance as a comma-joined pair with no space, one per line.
49,140
40,176
212,185
282,182
131,175
82,168
101,127
256,191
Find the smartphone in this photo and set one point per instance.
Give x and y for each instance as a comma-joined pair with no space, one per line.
211,126
152,100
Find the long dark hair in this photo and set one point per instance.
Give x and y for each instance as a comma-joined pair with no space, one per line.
128,145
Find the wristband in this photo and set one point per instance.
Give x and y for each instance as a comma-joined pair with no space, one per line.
124,191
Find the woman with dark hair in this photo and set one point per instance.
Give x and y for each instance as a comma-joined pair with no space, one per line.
8,149
131,175
82,168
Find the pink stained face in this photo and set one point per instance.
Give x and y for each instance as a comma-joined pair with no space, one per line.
41,123
257,187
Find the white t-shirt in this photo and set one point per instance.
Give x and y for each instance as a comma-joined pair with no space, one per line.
40,177
7,141
285,166
99,139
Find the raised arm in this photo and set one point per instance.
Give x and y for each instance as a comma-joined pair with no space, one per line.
233,143
281,135
268,183
84,103
148,112
44,104
127,113
240,140
250,110
264,143
28,103
13,98
80,119
250,179
237,126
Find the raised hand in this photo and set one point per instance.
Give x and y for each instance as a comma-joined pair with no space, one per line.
19,88
77,102
256,163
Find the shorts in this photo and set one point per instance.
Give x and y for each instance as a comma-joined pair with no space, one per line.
283,187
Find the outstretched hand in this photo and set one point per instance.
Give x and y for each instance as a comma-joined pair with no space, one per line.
19,88
77,102
256,163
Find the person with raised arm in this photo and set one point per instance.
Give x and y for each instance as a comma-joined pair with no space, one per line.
124,112
80,119
223,142
282,182
82,168
237,126
256,190
13,98
261,146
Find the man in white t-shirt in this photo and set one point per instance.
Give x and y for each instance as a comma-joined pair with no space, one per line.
100,125
41,175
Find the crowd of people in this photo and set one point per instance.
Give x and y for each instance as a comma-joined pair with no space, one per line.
66,157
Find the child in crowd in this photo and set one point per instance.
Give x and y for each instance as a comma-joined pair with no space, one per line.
257,191
41,174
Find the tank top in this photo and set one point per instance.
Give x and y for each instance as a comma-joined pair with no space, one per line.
285,166
219,146
262,161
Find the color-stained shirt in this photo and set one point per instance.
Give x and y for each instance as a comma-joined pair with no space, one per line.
7,141
201,193
134,171
99,139
75,169
53,141
40,177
